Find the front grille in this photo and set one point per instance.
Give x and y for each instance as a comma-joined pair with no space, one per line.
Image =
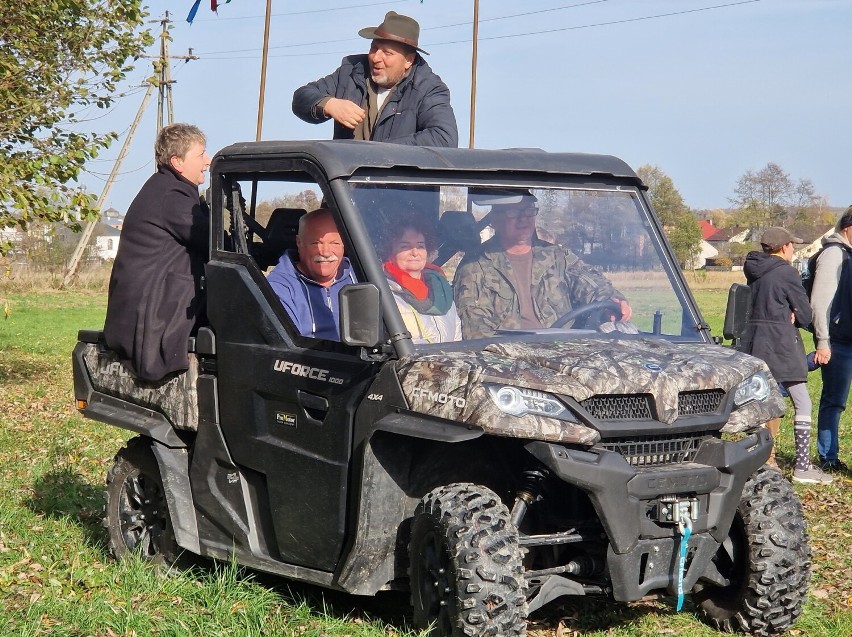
619,406
693,403
655,451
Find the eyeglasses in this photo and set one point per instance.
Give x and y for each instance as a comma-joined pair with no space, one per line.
517,213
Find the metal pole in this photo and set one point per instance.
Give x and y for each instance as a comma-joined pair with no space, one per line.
473,71
90,227
263,69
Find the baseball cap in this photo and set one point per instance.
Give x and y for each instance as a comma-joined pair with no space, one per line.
776,237
503,196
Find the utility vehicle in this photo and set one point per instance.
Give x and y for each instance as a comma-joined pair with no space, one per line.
487,476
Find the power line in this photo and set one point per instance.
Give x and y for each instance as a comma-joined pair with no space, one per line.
519,15
291,13
494,37
435,28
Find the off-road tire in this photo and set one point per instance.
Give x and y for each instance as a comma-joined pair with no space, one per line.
466,573
137,515
767,561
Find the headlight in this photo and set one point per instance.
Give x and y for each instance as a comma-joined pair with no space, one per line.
518,401
754,388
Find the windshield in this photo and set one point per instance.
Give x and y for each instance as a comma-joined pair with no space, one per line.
463,261
479,261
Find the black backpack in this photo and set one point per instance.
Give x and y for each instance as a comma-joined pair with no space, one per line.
809,272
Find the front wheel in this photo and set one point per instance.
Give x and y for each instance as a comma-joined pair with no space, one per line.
764,565
137,514
466,574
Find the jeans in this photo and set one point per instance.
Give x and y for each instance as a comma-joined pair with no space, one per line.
836,378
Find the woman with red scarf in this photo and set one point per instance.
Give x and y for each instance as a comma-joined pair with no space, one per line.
422,293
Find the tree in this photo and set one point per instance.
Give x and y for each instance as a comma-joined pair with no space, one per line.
58,61
719,218
306,199
680,225
769,197
766,189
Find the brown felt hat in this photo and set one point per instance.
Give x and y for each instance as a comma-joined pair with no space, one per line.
396,28
777,237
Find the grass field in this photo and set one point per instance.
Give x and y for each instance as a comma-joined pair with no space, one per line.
56,577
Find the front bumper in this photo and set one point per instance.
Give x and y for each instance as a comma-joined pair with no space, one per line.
643,550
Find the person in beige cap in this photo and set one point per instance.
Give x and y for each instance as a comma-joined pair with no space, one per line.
779,306
389,94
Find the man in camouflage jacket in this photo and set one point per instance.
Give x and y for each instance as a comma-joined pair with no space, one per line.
486,284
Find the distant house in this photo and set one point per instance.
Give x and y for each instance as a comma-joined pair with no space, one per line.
706,251
734,234
11,235
722,239
113,218
707,228
13,238
106,241
812,236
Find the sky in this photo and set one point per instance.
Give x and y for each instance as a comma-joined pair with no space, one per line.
704,89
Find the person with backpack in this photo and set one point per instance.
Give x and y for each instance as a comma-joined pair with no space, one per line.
779,306
831,299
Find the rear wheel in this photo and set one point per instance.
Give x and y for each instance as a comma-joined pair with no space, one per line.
466,572
764,564
137,514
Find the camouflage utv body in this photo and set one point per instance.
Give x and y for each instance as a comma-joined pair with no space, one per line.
488,476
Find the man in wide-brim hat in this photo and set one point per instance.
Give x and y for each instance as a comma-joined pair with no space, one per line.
389,94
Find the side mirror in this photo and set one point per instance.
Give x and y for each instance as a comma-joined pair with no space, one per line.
360,315
737,312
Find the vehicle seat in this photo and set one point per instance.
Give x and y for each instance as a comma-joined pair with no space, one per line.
458,231
280,235
175,396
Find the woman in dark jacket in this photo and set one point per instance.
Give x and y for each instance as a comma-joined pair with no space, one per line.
155,299
779,306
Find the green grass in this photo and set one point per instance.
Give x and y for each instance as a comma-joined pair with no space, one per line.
57,579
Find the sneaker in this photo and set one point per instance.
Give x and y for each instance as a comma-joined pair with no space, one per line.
833,465
811,475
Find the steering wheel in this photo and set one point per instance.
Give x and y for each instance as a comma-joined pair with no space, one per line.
613,307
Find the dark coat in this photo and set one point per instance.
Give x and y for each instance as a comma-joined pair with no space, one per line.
776,291
155,298
416,113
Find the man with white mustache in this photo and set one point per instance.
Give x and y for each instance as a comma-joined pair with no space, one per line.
308,280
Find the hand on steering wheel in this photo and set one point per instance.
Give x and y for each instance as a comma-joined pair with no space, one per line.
611,305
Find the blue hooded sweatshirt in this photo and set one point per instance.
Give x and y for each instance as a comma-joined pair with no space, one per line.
314,308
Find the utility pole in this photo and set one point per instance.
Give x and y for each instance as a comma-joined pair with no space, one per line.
263,59
90,227
162,80
165,75
473,71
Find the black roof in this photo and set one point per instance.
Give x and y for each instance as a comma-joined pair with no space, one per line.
341,158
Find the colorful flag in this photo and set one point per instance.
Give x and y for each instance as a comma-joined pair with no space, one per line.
193,11
214,6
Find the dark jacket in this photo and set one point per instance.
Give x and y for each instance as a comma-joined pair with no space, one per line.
155,299
416,113
314,308
776,292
